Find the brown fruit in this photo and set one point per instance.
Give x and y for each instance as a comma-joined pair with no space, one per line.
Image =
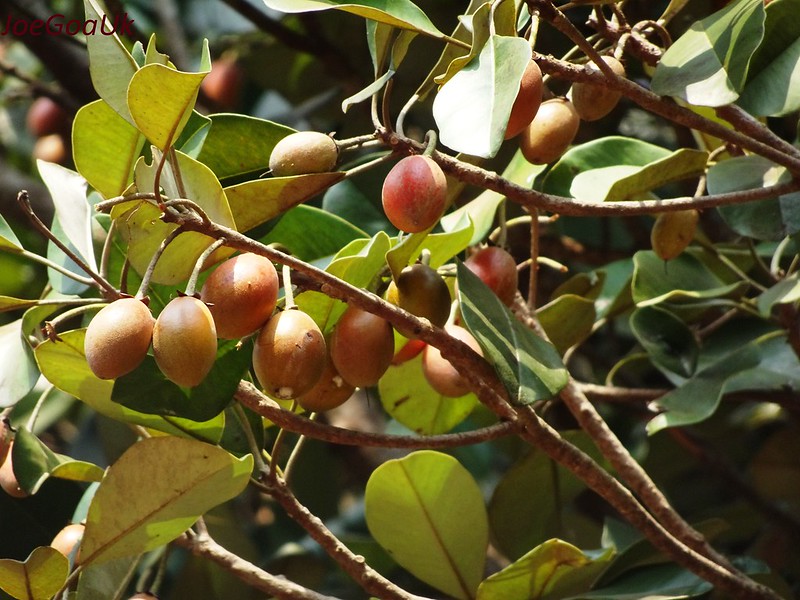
8,480
498,270
143,596
440,373
330,391
672,232
185,341
414,194
50,148
527,102
550,133
223,85
241,293
303,152
289,355
362,347
421,291
68,538
593,102
118,337
45,116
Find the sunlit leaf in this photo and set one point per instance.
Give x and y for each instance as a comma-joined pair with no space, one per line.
8,239
39,577
18,372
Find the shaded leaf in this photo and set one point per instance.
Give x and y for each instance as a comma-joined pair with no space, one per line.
786,291
567,320
416,508
665,582
39,577
667,340
135,510
107,580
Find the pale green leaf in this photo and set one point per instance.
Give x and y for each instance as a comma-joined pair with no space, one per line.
442,246
39,577
567,320
479,25
8,239
18,372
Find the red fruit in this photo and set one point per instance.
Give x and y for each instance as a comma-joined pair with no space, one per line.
118,337
45,116
414,194
8,480
527,102
440,373
409,350
362,347
223,85
69,537
498,270
185,341
289,355
241,293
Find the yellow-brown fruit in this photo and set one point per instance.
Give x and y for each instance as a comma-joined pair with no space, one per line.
68,538
440,373
303,152
330,391
527,102
592,101
550,133
362,347
241,293
50,148
8,480
672,232
421,291
185,341
118,337
289,355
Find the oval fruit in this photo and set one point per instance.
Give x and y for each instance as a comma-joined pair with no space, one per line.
593,102
118,337
68,538
143,596
8,480
414,194
330,391
498,270
362,347
440,373
45,116
185,341
241,293
550,133
289,355
223,84
303,152
672,232
421,291
50,148
527,102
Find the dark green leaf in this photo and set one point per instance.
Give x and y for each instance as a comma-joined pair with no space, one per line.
567,320
668,341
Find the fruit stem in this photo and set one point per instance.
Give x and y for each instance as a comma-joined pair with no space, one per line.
276,447
148,274
255,449
425,257
38,407
431,139
357,141
107,246
65,316
288,292
369,165
403,112
191,285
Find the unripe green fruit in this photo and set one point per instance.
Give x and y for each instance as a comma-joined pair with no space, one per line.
550,133
362,347
527,102
289,355
241,293
414,194
303,152
69,537
593,102
8,480
498,270
440,373
672,232
421,291
330,391
185,341
118,337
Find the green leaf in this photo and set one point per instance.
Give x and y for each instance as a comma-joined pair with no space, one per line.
255,202
708,64
665,582
786,291
136,509
237,144
567,320
64,365
161,101
770,219
529,367
110,65
409,399
628,182
107,580
8,239
105,147
417,508
482,94
7,303
34,463
398,13
772,83
147,390
548,572
683,279
667,339
479,24
38,578
18,372
442,246
60,282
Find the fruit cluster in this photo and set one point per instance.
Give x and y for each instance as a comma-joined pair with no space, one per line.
49,123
